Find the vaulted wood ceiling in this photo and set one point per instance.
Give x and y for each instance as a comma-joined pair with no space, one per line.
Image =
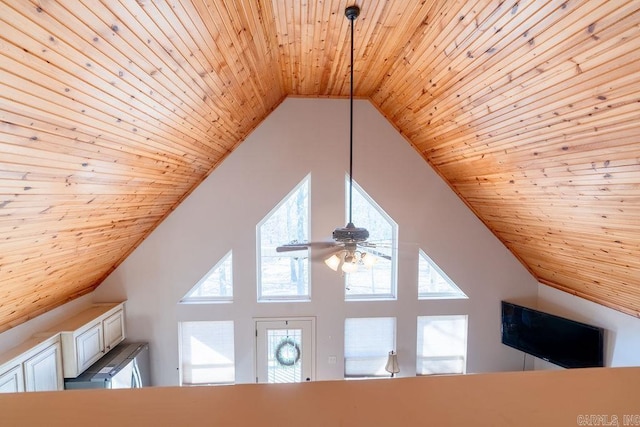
111,112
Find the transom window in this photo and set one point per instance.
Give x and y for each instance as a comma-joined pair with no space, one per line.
379,281
285,275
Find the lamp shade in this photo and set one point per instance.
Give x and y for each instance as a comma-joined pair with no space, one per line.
368,260
333,262
349,267
392,363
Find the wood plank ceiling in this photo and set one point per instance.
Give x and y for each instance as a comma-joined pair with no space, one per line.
112,111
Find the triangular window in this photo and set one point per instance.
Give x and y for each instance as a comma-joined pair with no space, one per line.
433,283
215,286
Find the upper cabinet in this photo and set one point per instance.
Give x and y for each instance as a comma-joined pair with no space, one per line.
89,335
35,365
82,349
42,371
64,351
113,327
11,378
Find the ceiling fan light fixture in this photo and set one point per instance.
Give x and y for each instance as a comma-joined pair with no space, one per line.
350,235
333,262
368,260
349,267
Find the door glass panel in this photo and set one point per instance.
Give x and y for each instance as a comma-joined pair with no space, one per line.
285,351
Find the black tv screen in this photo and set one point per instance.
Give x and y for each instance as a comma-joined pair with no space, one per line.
561,341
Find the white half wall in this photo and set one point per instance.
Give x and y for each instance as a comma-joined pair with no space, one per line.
622,332
305,136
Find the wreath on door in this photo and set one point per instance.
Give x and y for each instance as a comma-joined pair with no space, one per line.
288,352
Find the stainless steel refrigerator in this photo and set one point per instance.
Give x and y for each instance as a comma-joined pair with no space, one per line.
126,366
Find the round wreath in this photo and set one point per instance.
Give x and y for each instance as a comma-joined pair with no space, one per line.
284,352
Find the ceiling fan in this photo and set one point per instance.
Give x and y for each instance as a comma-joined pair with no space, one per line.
350,241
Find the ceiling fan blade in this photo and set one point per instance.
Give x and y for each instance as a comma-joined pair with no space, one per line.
402,245
292,247
373,251
322,253
366,244
324,245
304,246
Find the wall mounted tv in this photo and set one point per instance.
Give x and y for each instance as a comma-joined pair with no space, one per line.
561,341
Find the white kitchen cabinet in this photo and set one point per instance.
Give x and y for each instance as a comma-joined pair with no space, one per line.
11,379
89,335
43,371
89,347
113,327
64,351
34,365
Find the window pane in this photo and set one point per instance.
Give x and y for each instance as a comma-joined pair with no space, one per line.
216,285
442,345
379,281
285,275
207,353
367,343
433,283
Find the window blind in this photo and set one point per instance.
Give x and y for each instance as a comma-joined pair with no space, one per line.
367,342
442,345
207,352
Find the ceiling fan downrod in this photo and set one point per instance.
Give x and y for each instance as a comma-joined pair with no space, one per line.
351,233
351,12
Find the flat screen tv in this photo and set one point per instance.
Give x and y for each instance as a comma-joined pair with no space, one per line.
561,341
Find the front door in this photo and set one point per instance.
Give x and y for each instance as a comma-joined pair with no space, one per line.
284,350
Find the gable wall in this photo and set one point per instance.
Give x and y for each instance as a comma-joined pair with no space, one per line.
311,136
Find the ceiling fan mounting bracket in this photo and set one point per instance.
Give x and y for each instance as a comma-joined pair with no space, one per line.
352,12
350,233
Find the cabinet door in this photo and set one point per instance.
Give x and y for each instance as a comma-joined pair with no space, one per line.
11,380
43,372
113,330
89,347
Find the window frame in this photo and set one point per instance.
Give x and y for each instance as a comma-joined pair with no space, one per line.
181,353
211,299
383,354
421,358
393,294
284,298
438,295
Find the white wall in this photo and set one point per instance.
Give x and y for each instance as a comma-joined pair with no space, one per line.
311,136
622,332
